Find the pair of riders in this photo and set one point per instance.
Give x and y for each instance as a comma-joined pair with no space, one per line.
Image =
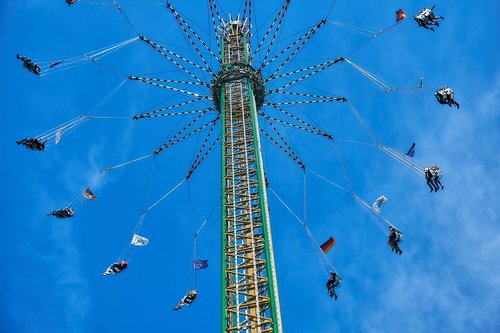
30,65
116,268
394,238
446,95
332,283
427,19
432,176
33,144
62,213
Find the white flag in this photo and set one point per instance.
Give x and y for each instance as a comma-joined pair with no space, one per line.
139,240
377,205
58,136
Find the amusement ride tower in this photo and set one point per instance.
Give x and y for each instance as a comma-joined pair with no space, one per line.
250,300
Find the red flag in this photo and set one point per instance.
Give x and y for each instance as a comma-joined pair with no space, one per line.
400,15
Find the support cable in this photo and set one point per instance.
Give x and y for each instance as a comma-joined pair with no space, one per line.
370,209
305,76
183,25
200,152
309,130
174,140
415,165
205,221
304,94
129,247
125,17
324,259
202,158
289,148
411,163
306,36
371,212
160,49
306,124
298,48
247,11
372,33
329,181
330,9
153,83
290,154
194,243
127,163
164,196
181,131
77,200
177,113
166,53
312,101
214,11
150,113
58,64
362,121
278,19
305,197
384,85
342,166
132,77
325,64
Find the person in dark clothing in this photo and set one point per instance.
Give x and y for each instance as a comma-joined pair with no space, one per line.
429,177
30,65
332,283
116,268
394,238
62,213
188,299
426,19
33,144
436,173
446,95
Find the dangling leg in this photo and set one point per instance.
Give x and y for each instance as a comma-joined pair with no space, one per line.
392,245
436,187
430,186
439,183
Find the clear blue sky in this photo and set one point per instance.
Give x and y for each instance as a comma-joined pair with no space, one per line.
447,279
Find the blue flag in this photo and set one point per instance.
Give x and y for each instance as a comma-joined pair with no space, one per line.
411,152
200,264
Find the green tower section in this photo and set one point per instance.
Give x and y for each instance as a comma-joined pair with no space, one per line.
250,301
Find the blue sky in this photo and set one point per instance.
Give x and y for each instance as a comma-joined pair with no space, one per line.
447,279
